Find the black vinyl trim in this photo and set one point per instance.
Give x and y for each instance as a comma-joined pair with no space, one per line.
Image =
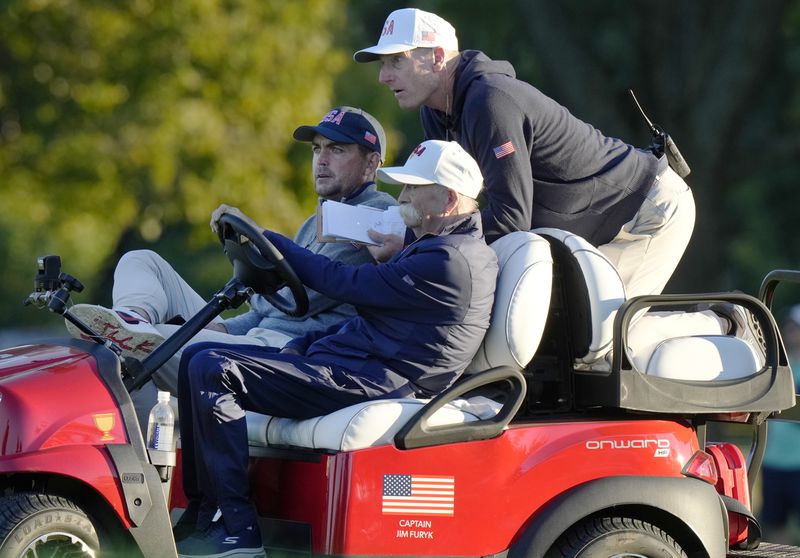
569,277
769,390
416,433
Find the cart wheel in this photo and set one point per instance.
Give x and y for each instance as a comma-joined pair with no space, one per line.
616,537
43,526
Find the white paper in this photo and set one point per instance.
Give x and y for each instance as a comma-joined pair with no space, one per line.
351,222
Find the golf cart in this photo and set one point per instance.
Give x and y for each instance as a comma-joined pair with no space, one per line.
561,440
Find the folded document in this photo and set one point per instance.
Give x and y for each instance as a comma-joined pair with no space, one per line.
340,222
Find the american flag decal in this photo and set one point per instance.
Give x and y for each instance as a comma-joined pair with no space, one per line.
502,150
370,137
418,495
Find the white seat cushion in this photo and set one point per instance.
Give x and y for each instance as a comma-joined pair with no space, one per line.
706,358
521,303
604,288
689,346
368,424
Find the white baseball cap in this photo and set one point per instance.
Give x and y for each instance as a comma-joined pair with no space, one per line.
407,29
438,162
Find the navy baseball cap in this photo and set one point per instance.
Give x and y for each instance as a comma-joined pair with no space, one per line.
348,125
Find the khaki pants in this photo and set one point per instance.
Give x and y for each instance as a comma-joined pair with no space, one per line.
647,249
646,252
145,280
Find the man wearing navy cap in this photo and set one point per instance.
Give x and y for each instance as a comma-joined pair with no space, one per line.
149,296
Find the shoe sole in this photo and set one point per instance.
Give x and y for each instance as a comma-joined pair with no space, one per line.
109,325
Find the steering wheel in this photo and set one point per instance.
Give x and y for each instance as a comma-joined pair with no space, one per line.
259,265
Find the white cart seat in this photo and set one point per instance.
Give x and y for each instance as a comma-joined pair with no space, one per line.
522,300
697,355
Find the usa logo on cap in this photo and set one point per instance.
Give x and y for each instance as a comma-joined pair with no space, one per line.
334,116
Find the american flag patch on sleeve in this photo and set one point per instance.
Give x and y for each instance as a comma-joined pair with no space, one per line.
502,150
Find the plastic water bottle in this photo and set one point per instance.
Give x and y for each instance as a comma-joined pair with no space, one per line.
161,424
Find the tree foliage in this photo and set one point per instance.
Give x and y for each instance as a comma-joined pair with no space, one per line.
122,122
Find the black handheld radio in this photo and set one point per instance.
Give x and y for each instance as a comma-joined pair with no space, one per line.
662,144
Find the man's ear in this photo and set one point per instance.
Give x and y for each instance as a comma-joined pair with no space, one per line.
451,205
439,59
373,163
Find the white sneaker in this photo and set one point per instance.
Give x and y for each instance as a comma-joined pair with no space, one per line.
744,326
133,334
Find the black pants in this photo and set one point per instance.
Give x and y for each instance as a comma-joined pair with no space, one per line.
217,384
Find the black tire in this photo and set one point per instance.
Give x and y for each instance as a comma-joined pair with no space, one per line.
44,526
616,537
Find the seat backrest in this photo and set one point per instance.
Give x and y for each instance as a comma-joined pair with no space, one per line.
595,292
522,300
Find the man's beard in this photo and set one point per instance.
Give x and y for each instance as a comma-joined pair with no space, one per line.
411,217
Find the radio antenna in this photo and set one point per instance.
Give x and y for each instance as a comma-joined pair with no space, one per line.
650,125
663,144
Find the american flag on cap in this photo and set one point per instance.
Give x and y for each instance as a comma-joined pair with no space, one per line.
370,137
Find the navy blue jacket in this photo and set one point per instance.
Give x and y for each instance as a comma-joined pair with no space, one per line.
563,172
421,316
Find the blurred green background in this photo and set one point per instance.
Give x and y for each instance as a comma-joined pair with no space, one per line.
124,124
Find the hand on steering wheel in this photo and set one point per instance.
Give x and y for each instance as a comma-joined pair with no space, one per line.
256,262
225,209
